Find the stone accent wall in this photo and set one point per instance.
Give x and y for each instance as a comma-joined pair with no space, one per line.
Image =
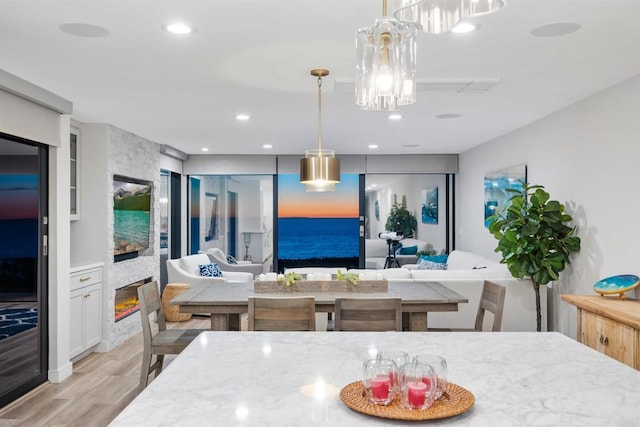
132,156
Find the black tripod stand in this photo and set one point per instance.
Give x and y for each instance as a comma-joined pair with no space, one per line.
391,261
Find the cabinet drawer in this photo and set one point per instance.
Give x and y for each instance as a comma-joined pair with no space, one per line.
83,278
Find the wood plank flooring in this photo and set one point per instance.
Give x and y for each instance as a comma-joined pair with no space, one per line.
101,386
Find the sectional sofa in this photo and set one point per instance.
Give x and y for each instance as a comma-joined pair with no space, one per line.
465,274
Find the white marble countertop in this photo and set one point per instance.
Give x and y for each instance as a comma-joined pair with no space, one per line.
271,379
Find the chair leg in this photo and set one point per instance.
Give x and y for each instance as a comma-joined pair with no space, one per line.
159,363
145,369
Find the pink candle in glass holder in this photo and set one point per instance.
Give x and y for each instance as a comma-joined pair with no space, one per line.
380,387
427,382
416,393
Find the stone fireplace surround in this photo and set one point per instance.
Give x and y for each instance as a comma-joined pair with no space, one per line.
135,157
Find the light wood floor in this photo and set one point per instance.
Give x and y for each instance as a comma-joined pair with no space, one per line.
101,386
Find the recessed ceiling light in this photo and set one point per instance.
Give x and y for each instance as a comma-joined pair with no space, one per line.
448,116
555,29
374,185
395,116
465,27
267,146
83,30
178,28
373,146
205,149
242,117
410,145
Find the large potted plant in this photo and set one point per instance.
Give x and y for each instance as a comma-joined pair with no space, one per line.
401,220
534,238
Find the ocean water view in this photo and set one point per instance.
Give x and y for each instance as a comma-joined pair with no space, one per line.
132,227
304,238
19,238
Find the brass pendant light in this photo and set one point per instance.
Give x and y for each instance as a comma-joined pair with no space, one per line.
320,169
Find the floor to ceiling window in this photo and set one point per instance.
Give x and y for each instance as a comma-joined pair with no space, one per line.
23,297
233,213
424,196
318,229
169,220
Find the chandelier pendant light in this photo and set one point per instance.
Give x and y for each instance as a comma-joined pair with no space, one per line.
386,64
441,16
320,169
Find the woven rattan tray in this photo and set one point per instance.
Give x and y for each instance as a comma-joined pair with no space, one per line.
454,402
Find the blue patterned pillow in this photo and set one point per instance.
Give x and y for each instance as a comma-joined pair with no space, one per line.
210,270
425,264
231,259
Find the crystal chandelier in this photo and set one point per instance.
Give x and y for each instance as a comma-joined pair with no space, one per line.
386,64
441,16
320,169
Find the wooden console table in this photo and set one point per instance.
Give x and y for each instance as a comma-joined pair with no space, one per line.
610,325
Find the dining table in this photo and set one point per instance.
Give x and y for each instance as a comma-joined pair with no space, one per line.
304,378
225,301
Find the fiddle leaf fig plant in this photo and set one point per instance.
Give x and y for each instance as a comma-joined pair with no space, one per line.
534,237
401,220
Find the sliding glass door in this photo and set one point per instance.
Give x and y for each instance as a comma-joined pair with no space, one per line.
318,229
23,296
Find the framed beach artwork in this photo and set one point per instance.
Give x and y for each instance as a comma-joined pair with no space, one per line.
496,185
211,216
430,206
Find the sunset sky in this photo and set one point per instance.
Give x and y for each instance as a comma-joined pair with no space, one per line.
18,196
293,201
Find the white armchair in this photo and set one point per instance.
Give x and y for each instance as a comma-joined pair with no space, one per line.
186,270
216,255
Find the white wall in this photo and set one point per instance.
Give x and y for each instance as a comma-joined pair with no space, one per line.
588,157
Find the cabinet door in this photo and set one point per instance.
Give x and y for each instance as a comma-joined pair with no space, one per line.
609,337
76,338
93,315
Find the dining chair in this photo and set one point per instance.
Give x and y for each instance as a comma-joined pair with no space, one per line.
164,341
282,314
368,314
491,300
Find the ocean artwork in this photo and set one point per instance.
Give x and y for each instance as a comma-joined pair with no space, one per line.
305,238
496,188
430,206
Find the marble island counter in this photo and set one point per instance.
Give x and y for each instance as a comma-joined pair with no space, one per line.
294,379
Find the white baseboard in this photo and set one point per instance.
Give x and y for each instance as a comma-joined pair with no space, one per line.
59,375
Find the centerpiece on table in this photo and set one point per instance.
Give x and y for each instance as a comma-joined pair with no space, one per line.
318,282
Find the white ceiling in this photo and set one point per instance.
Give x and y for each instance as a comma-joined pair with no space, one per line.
254,57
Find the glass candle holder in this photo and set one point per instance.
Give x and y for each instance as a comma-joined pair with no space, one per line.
377,377
398,356
417,385
439,365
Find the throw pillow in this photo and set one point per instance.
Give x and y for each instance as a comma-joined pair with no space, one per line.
408,250
231,259
424,264
210,270
442,259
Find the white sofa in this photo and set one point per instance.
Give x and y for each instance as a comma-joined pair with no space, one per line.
216,255
186,270
377,250
465,274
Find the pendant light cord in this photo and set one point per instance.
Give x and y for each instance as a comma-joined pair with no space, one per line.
319,116
384,7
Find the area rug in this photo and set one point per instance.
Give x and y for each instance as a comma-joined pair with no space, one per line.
16,320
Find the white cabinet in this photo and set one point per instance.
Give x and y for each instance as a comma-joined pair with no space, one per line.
86,309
